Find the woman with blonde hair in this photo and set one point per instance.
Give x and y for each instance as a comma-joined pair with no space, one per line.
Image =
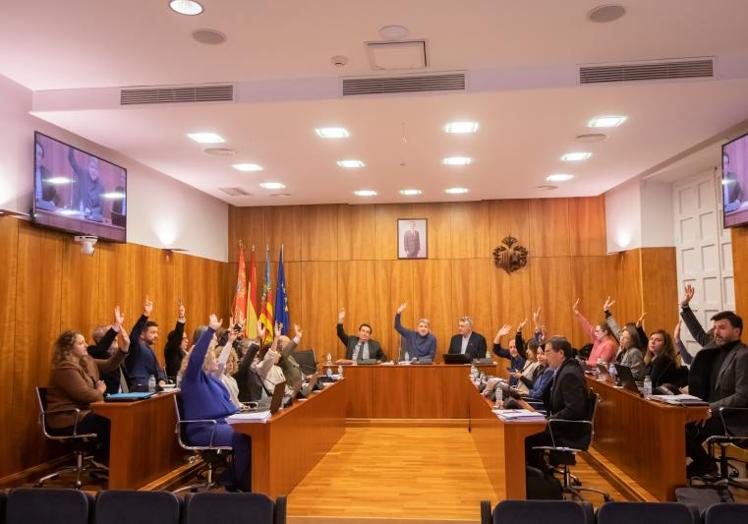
663,364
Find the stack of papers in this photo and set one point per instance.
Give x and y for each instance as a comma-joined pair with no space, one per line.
679,400
518,414
244,418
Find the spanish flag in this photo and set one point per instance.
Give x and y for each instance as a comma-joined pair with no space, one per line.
266,313
239,308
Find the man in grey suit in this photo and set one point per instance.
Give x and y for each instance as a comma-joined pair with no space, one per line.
718,375
362,347
412,241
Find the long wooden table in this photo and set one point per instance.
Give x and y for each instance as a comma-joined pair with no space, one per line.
644,438
142,443
436,391
501,445
291,442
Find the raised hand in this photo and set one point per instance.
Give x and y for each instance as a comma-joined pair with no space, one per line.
147,306
119,318
505,329
401,308
676,331
521,325
575,307
608,304
278,329
181,313
341,315
536,317
641,320
298,330
260,331
214,322
688,294
125,347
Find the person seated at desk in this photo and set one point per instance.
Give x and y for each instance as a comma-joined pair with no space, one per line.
566,399
421,342
141,361
75,383
603,340
541,381
106,345
227,364
361,347
629,354
290,367
177,343
528,373
662,365
267,364
517,360
466,341
718,375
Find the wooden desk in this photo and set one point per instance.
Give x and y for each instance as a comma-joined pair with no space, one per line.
645,439
288,446
436,391
142,443
501,445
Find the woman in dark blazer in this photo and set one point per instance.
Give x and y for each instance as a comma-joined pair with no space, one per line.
663,365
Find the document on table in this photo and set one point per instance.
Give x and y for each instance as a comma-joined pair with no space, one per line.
518,414
243,418
679,400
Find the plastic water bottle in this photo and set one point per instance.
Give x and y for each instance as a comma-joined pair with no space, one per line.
612,371
473,371
340,370
407,357
151,383
499,397
647,387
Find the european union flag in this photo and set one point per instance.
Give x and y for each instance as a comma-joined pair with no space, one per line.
281,298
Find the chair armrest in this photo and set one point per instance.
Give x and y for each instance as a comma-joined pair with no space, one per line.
43,418
729,414
485,512
555,421
213,423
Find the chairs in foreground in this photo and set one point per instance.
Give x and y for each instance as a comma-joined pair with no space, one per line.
735,422
534,511
82,445
42,506
647,513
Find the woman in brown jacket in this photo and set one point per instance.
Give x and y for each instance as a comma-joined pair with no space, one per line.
75,383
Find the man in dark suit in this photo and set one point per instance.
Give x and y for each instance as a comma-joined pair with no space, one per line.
468,342
566,399
362,347
718,375
412,241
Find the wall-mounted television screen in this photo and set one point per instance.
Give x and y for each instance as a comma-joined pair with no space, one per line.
78,192
735,181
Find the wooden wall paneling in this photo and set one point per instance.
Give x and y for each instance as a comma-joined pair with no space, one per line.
356,232
509,217
592,284
112,284
439,228
659,288
283,225
587,226
549,227
629,303
470,230
37,308
8,269
246,224
357,293
319,232
394,286
385,229
319,315
550,288
740,269
510,300
432,298
80,285
471,295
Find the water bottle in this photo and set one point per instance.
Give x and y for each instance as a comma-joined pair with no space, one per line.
329,373
328,359
647,387
499,396
473,371
407,357
612,371
340,370
151,383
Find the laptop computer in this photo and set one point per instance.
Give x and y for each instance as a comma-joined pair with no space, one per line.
128,397
603,371
307,361
627,378
273,403
456,358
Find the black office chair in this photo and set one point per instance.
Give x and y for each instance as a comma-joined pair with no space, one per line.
211,455
647,513
726,514
565,456
143,507
42,506
3,502
81,443
534,511
209,508
735,422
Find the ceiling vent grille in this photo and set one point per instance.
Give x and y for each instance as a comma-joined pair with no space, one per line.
695,68
403,84
234,191
177,95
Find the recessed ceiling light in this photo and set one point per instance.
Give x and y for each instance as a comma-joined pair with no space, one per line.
365,193
559,177
113,195
457,161
272,185
281,195
186,7
209,36
606,121
205,137
461,127
59,180
410,192
576,156
332,132
247,167
606,13
456,190
351,164
393,32
219,151
591,137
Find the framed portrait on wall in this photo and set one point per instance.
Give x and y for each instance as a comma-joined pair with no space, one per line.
412,238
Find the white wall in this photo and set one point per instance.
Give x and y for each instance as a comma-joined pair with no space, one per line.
162,212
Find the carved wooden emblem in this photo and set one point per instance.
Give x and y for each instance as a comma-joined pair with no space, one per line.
510,255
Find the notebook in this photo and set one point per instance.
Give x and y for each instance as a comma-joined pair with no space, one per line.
128,397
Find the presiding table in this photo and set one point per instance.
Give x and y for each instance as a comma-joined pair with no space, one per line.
500,444
142,442
290,443
434,391
643,438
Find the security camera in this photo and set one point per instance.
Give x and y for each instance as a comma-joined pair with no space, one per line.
87,243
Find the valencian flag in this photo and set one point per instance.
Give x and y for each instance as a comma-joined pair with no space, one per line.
281,297
266,312
251,319
239,308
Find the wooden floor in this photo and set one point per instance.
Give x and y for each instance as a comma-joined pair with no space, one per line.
431,473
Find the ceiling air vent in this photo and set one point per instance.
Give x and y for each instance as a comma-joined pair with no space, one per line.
403,84
177,95
234,191
676,69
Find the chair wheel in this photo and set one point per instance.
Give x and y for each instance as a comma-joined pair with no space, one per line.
78,484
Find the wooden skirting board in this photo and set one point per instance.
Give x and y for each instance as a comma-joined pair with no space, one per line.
623,483
35,472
